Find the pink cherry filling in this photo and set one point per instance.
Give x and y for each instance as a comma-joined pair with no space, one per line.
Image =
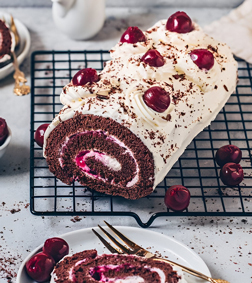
81,161
98,272
84,158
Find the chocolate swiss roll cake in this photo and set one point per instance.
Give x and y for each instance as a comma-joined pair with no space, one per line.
89,267
121,130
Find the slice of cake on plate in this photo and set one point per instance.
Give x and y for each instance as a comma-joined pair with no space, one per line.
89,267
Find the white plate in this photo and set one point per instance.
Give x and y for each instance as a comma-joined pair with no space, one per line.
85,239
23,49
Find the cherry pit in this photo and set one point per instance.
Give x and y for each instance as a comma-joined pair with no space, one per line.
40,266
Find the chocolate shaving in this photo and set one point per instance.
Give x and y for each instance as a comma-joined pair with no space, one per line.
101,96
180,77
167,118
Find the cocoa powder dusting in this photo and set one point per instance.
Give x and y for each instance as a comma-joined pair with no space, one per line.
8,265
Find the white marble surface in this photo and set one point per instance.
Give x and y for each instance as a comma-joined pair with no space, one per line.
223,243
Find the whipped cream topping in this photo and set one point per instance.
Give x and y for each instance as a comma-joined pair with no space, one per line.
72,94
196,95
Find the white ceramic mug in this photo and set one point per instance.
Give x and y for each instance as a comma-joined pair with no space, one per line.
79,19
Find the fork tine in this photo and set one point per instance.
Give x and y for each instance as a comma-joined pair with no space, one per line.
126,240
118,244
106,244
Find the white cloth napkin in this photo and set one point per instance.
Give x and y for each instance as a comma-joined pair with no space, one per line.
235,29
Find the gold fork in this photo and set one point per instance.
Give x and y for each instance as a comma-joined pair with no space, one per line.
134,249
13,28
19,88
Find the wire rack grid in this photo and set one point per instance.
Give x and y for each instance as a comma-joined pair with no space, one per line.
196,168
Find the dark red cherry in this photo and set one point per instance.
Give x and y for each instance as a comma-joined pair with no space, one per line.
231,174
3,131
228,153
153,58
56,248
40,266
203,58
179,22
133,35
157,99
39,134
85,76
177,198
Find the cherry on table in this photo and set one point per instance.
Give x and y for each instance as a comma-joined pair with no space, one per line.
84,76
56,248
231,174
40,266
157,99
133,35
3,131
39,134
203,58
153,58
228,153
177,198
179,22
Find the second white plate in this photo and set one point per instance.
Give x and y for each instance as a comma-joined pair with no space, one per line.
85,239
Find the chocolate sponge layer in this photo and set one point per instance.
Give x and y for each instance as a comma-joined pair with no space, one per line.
102,135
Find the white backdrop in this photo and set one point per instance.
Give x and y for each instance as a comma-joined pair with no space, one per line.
132,3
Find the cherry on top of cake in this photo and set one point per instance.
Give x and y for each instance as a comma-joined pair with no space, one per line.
179,22
153,58
203,58
84,76
157,99
5,40
133,35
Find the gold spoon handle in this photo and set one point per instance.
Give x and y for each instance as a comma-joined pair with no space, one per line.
20,88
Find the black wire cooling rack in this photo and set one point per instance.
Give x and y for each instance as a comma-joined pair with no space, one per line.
195,169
